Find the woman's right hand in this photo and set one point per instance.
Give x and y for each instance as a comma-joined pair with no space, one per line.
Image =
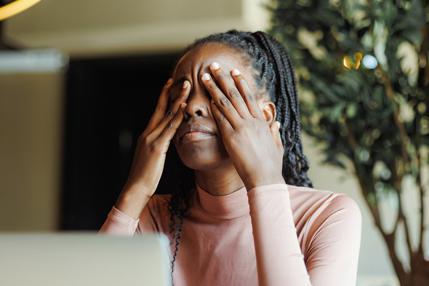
152,146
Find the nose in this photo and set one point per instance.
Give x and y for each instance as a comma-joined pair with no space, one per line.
197,103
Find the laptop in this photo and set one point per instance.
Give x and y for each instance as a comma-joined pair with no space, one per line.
65,259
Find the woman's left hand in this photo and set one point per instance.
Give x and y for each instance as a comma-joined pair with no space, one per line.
253,144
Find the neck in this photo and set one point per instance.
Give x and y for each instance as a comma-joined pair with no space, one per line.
219,181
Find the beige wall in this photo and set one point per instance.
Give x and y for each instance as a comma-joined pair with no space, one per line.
30,150
87,28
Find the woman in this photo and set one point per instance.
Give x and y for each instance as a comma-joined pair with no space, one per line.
248,215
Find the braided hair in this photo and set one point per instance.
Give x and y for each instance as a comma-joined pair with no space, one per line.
273,73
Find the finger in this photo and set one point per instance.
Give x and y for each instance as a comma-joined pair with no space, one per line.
161,106
221,101
248,95
184,93
227,85
170,129
183,96
222,123
275,130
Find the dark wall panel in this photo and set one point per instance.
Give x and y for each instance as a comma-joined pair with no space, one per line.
108,104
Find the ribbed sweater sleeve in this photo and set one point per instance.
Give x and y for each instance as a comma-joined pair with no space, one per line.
119,223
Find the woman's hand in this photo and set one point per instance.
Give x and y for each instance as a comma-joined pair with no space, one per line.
150,153
253,144
153,143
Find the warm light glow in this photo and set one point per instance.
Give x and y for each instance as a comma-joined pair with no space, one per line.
353,64
15,7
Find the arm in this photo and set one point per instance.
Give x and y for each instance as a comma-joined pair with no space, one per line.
119,223
147,166
130,215
333,255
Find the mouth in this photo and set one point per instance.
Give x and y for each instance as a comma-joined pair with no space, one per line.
192,133
196,136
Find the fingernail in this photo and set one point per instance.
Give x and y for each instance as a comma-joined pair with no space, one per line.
206,77
169,81
215,66
185,84
235,72
183,105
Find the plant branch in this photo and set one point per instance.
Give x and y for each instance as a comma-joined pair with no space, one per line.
398,176
396,118
424,69
397,182
422,192
373,208
389,238
424,81
407,230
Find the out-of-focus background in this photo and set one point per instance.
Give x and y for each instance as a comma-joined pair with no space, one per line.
78,82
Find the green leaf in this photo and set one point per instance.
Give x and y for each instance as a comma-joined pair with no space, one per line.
351,110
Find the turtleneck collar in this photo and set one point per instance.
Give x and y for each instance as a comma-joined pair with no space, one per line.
229,206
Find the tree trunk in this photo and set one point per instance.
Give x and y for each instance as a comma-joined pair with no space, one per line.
419,275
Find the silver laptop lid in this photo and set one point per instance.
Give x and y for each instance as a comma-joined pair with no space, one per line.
65,259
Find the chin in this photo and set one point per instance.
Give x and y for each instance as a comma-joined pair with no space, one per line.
198,164
202,158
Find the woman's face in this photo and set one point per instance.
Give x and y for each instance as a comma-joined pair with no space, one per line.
203,150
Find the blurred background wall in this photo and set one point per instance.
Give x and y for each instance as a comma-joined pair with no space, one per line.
67,136
93,28
30,143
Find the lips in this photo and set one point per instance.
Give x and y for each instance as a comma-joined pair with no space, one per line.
189,128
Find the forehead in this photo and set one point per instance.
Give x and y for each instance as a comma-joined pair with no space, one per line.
199,59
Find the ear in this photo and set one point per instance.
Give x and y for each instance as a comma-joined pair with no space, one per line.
268,109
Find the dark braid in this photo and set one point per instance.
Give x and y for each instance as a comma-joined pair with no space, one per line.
273,73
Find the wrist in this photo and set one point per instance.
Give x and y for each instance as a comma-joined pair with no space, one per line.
262,181
132,200
136,193
137,188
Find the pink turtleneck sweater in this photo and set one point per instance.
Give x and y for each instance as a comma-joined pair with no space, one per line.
279,235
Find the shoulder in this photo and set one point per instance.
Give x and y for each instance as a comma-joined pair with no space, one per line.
160,199
329,201
323,216
158,204
315,209
155,215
